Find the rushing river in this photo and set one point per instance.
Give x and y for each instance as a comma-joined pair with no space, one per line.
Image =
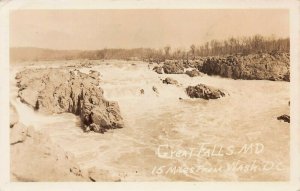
202,139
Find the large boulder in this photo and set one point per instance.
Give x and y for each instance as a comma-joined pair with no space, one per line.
173,67
204,92
58,91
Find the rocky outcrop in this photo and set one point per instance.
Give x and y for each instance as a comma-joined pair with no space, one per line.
169,80
204,92
173,67
273,66
34,158
58,91
193,73
285,118
158,69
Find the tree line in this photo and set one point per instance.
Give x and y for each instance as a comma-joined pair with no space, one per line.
232,46
242,45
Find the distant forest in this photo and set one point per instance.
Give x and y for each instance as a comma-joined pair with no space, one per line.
243,45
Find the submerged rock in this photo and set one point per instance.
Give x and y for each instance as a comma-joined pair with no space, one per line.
205,92
285,118
193,73
169,80
58,91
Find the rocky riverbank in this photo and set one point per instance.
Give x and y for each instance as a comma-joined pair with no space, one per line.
35,158
268,66
58,91
275,67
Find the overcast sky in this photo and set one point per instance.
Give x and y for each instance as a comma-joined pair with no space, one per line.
97,29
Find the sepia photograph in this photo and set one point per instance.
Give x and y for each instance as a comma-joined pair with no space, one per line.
149,95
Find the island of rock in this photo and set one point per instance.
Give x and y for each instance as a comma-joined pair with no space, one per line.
58,91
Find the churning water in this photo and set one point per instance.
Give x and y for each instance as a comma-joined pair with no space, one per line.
166,138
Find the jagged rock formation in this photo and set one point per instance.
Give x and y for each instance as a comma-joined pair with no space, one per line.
58,91
193,73
251,67
169,80
204,92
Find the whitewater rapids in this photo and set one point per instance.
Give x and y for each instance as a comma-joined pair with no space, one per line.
152,120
